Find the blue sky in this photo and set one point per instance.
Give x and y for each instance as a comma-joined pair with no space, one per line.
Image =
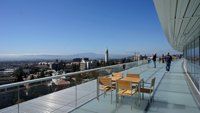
66,27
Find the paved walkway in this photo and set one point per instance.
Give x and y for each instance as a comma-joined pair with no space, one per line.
173,94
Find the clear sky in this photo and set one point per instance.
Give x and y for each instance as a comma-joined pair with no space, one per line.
66,27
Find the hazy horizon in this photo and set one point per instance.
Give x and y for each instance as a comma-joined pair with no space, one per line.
60,57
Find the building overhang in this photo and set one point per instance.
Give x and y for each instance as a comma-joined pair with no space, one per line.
180,20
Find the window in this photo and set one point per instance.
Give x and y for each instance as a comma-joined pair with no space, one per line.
191,53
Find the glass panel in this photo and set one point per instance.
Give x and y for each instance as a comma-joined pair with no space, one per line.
193,64
8,97
193,60
196,60
196,63
78,95
189,59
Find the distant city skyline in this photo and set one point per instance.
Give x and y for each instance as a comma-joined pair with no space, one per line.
66,27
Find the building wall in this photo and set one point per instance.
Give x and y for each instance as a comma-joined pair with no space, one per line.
82,66
191,53
106,56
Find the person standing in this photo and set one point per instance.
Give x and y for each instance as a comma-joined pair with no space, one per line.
159,59
154,59
124,66
163,58
168,60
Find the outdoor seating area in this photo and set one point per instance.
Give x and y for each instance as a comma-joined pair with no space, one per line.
126,95
125,85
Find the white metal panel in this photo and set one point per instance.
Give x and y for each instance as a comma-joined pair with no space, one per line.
189,15
184,26
197,13
181,9
191,24
172,16
195,29
192,7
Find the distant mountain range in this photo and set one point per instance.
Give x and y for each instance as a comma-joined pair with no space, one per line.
53,57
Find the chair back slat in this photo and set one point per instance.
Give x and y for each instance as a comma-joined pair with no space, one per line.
122,84
105,81
133,75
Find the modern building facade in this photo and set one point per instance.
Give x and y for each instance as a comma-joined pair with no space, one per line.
180,20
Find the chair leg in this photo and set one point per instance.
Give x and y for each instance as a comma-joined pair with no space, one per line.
153,98
116,104
132,104
149,97
116,100
143,96
136,96
98,96
138,99
111,97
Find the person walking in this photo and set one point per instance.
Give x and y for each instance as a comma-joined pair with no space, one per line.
154,59
168,60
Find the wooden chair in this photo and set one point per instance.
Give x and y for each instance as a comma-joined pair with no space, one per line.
117,74
125,88
106,85
133,75
149,89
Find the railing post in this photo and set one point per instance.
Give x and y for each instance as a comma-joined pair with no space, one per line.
76,93
98,88
18,98
126,70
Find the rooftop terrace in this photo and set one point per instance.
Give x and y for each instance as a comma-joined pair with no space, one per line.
172,95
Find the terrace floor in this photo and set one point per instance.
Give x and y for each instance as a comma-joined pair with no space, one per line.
172,95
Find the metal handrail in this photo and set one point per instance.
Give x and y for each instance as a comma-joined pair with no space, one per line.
58,76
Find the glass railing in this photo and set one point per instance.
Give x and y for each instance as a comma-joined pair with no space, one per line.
17,93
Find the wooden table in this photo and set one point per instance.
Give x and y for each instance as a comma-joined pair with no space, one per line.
114,79
131,79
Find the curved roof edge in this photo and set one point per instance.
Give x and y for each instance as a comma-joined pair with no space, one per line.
180,20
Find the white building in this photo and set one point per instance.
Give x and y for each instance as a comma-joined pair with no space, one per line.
84,64
106,56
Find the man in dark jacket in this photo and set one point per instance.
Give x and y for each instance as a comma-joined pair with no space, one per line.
168,60
154,59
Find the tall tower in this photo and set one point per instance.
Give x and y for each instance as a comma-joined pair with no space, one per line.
106,56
